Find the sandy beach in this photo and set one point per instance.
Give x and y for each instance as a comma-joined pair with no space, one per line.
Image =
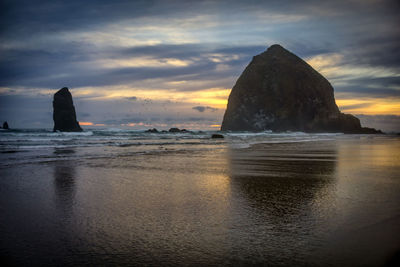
328,202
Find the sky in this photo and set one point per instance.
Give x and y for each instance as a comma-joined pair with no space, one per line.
145,64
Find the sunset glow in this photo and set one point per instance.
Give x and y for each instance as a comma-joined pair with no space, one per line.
86,123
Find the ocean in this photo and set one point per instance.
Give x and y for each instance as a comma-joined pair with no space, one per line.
44,145
127,197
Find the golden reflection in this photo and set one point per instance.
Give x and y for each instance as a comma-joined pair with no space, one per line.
365,166
362,159
170,203
361,155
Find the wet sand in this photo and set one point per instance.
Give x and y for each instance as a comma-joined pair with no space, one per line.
320,203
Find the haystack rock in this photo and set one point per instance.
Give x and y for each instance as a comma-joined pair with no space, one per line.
64,115
279,91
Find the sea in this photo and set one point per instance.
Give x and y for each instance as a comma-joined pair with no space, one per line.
114,197
21,146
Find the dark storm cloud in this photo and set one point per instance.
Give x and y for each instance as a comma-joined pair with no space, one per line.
375,52
53,15
22,19
365,91
52,69
20,65
372,87
23,16
385,81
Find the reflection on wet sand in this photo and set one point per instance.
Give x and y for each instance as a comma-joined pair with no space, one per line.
367,195
330,202
64,184
280,204
282,176
277,187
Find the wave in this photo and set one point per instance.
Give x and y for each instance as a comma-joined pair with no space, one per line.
115,137
42,145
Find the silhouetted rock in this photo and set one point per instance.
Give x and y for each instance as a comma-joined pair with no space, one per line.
174,130
64,115
367,130
279,91
154,130
217,136
5,126
177,130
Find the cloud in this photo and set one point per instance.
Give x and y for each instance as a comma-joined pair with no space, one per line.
204,108
76,67
360,91
343,108
184,50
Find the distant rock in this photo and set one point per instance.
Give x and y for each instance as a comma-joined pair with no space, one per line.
5,126
367,130
64,115
177,130
279,91
154,130
174,130
217,136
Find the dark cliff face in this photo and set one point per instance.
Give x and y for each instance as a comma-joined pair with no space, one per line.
64,115
279,91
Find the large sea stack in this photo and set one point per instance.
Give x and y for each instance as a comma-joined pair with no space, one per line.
279,91
64,115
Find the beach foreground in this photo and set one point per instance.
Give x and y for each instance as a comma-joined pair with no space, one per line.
317,200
